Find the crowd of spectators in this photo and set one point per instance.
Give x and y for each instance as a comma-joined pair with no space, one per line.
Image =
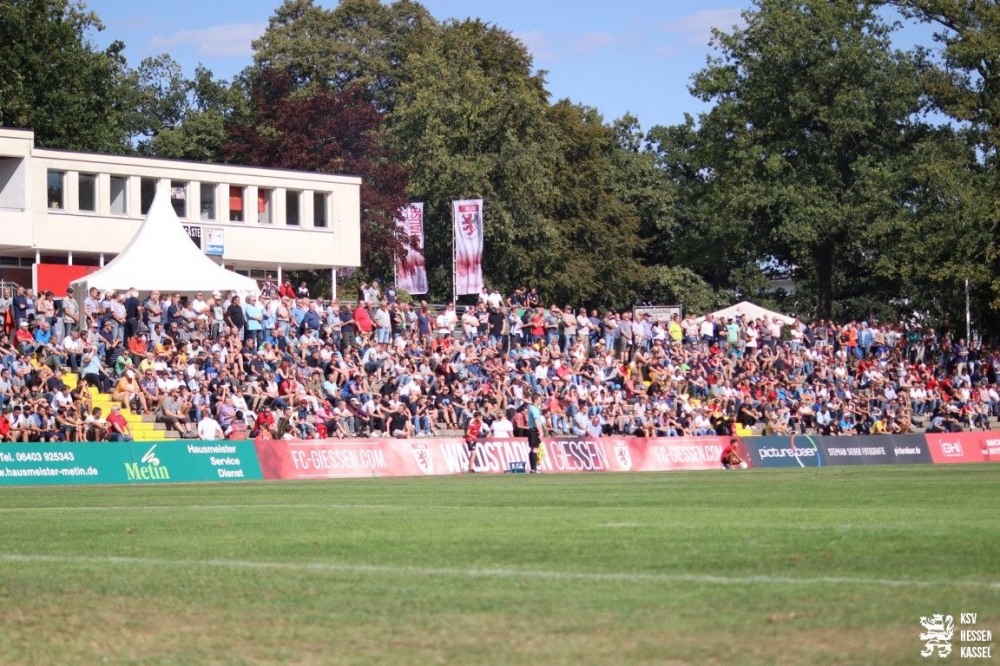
284,365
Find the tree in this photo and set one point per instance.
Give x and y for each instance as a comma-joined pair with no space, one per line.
329,132
952,196
812,110
360,42
470,120
964,82
595,255
54,81
642,185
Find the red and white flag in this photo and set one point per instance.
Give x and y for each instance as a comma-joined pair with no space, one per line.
468,215
411,269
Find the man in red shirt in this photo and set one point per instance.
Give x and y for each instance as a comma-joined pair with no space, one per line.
119,430
472,432
23,339
363,319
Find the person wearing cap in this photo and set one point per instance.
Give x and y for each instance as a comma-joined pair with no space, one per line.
128,390
119,429
70,314
24,341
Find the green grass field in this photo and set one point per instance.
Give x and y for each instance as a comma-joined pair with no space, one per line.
826,566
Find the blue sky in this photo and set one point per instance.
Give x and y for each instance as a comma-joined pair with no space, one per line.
625,56
628,55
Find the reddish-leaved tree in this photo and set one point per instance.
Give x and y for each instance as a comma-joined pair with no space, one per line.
331,132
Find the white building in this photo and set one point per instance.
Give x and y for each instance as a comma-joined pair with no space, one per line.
63,214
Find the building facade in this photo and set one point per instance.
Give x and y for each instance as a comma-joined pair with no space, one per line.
62,209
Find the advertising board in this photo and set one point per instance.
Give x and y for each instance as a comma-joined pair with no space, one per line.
874,450
964,447
796,451
171,461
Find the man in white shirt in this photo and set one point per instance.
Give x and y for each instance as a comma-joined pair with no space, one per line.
502,427
594,427
209,428
72,344
201,311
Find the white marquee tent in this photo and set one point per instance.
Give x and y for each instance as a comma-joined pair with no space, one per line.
161,256
750,311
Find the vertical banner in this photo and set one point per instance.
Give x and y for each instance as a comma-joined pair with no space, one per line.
411,270
468,216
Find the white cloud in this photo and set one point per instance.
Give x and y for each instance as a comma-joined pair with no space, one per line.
697,28
540,46
549,48
230,39
593,41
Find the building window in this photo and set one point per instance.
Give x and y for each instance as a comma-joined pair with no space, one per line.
12,194
56,182
87,192
292,207
147,192
208,201
235,203
178,197
264,206
119,201
319,209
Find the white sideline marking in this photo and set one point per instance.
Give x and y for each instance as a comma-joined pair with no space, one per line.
199,507
538,574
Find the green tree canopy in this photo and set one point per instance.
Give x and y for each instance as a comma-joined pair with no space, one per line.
813,109
55,81
363,42
470,121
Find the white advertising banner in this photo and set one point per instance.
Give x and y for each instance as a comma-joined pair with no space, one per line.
468,216
411,269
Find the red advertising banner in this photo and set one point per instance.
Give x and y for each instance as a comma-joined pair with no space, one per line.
337,459
964,447
342,459
635,454
411,269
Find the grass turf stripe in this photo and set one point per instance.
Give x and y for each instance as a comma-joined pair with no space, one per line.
500,573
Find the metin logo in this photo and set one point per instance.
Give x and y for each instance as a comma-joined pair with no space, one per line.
150,470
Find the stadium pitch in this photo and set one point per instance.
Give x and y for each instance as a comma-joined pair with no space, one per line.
819,566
